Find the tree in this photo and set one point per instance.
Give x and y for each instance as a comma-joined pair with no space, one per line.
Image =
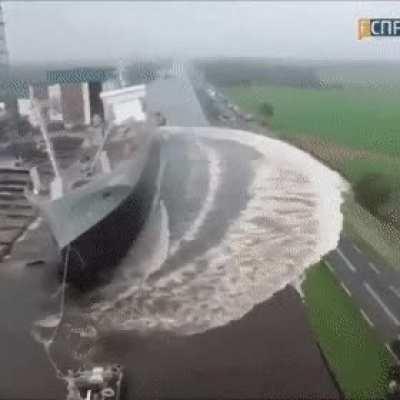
267,111
372,191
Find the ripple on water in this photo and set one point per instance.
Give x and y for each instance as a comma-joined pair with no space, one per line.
291,220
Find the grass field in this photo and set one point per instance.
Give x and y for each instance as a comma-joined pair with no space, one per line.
361,118
359,75
355,130
356,356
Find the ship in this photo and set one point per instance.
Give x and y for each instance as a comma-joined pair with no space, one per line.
96,208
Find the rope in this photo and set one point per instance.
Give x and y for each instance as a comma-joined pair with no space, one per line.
61,314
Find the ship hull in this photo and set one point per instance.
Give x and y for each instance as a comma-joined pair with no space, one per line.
102,247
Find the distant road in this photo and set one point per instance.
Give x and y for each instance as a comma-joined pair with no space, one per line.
176,99
374,287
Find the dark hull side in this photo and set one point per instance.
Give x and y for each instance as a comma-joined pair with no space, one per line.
101,248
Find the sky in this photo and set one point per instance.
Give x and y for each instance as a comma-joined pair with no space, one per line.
57,31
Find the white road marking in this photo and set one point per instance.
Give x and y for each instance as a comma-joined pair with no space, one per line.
395,291
374,268
349,265
345,288
367,319
356,248
328,264
382,304
392,353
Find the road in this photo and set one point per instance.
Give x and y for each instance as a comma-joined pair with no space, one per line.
374,286
177,100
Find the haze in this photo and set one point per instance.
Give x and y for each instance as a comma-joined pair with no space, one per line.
60,31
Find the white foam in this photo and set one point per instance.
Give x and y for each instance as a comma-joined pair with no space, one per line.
291,220
46,330
35,224
22,236
214,172
51,321
154,239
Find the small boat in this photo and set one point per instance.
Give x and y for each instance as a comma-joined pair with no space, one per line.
98,383
97,206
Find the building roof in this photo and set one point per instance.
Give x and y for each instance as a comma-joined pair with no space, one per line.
19,88
14,88
79,75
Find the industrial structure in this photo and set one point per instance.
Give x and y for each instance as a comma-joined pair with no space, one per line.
8,101
71,96
4,59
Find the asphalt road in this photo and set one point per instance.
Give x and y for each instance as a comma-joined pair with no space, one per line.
180,110
374,286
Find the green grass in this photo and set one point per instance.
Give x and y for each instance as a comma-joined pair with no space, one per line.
354,170
363,118
355,354
356,131
378,240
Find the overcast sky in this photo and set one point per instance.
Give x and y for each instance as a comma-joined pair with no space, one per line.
59,31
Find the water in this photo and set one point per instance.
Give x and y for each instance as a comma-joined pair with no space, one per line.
236,219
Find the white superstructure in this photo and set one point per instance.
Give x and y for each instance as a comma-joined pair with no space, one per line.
122,104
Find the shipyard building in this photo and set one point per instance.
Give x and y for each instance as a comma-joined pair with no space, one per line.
70,97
